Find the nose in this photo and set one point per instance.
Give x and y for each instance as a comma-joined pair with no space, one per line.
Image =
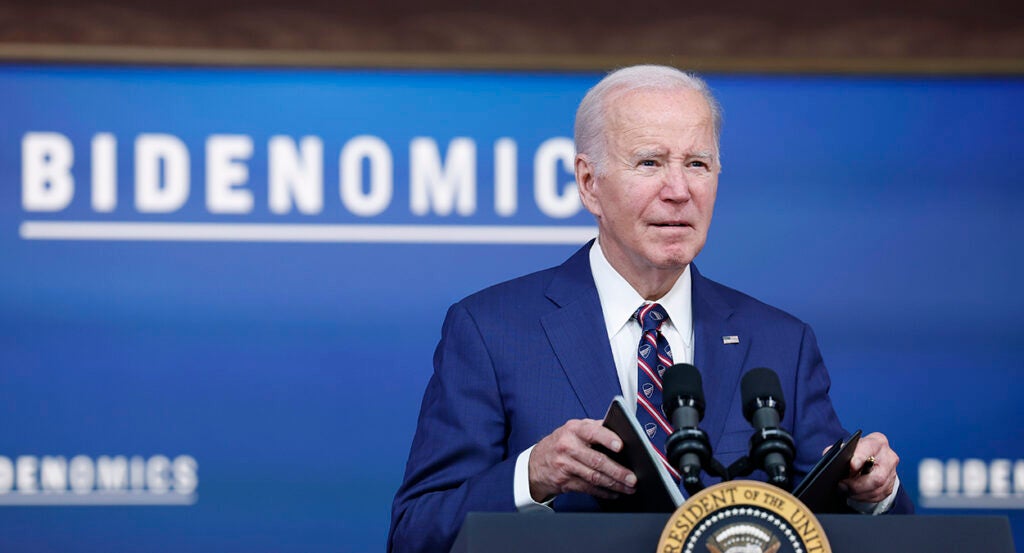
676,185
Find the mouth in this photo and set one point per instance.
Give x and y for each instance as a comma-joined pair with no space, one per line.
671,225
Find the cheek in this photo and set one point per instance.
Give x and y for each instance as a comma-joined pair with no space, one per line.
629,208
706,199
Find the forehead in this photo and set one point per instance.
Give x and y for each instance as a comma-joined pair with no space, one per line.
680,114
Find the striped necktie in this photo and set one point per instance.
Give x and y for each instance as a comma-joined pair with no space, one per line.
653,357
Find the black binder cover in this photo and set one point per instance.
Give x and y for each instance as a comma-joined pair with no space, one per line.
819,490
656,491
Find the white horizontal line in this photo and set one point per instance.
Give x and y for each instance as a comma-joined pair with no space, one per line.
269,232
100,499
963,502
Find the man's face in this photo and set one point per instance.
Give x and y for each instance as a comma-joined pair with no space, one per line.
654,197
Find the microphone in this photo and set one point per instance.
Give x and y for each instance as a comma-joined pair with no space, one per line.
688,448
771,447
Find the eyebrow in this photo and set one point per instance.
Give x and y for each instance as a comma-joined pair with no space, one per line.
645,153
657,153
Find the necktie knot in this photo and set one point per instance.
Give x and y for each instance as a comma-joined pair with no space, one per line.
651,316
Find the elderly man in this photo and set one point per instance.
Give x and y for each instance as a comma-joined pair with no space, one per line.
526,369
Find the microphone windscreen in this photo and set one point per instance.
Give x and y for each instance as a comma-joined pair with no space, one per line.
758,384
682,381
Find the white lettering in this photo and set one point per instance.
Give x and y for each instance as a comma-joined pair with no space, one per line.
151,152
442,179
225,172
138,472
54,474
929,477
999,478
296,175
104,172
975,474
505,177
185,478
112,473
6,475
46,181
27,475
81,474
1018,478
158,478
381,167
953,477
552,199
442,186
971,478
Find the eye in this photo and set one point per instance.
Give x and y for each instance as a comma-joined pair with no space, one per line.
648,163
698,163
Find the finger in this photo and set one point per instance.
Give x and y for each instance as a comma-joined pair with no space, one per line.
597,469
593,432
877,484
871,487
588,479
596,491
570,473
872,445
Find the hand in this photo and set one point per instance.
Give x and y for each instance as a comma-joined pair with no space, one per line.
564,461
880,481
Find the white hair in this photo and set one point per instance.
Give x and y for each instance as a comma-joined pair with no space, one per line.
592,115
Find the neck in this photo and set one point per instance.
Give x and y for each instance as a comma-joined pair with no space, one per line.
653,287
652,283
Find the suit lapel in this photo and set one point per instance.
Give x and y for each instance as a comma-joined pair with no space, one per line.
720,363
578,336
579,340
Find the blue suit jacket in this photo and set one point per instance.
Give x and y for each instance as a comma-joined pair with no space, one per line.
519,359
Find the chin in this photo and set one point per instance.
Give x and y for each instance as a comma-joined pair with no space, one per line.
673,262
674,257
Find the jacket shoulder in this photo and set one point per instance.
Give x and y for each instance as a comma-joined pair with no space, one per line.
570,281
522,291
747,307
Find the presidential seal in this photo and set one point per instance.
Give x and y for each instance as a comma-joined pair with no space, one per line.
743,516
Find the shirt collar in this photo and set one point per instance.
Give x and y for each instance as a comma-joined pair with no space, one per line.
619,300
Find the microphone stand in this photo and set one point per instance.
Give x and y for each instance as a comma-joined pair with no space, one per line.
764,442
693,442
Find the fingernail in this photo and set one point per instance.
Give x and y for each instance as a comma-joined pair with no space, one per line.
616,445
631,480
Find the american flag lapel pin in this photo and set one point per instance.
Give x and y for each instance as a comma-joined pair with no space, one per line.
730,340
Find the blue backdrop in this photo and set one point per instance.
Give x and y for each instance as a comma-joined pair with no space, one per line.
167,388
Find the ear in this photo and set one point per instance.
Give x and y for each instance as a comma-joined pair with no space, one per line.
586,184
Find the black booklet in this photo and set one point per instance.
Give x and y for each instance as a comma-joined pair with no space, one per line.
819,490
656,490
